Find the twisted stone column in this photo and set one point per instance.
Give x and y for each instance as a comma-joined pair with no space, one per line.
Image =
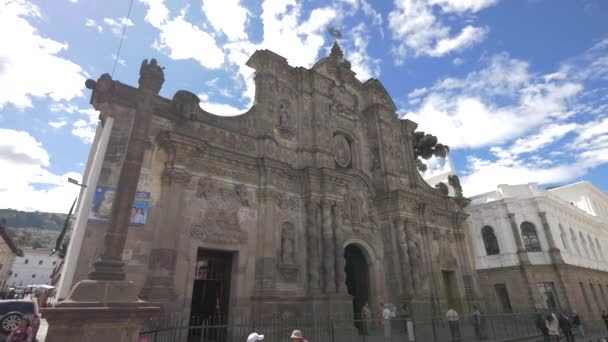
329,258
404,258
339,249
312,242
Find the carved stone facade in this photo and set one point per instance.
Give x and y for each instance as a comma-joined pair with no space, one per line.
319,163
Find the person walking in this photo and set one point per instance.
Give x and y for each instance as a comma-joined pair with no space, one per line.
552,327
454,324
541,325
576,323
605,318
477,322
366,315
566,326
297,336
254,337
387,314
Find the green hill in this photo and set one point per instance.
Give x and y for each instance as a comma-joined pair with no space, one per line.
34,219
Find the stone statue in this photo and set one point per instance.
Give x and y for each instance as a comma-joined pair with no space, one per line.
442,188
241,194
204,187
284,114
288,243
151,75
454,181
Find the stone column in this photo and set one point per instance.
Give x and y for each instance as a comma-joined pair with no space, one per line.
110,266
107,307
329,257
312,242
556,256
404,258
524,262
339,249
521,250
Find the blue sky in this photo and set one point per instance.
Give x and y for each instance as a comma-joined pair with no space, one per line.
517,88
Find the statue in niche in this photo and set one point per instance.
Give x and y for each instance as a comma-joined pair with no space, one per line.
241,194
342,153
284,114
375,159
204,187
413,247
288,243
454,181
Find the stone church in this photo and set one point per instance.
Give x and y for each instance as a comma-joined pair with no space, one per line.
309,204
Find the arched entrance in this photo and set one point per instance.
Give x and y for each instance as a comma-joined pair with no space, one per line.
357,279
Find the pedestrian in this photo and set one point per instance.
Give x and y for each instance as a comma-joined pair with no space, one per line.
566,326
576,323
22,333
297,336
453,323
477,322
541,325
552,327
387,314
366,315
253,337
605,318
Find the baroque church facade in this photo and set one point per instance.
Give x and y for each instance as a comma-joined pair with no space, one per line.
309,204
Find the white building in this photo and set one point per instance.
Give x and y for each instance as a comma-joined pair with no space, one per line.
33,268
542,248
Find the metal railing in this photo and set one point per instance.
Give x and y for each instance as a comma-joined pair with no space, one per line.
508,327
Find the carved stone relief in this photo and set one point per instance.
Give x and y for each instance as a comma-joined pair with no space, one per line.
342,152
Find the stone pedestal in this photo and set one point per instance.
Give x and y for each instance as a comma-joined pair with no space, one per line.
99,311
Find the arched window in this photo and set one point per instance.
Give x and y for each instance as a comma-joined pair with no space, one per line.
490,241
528,234
562,234
578,251
599,248
592,246
584,244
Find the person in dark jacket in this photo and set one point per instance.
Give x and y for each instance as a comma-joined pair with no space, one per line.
577,324
566,326
542,327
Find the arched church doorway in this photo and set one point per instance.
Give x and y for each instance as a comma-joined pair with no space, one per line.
357,280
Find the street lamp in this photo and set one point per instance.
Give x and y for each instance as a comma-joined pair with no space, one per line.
73,181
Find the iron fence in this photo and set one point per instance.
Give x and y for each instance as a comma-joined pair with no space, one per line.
491,328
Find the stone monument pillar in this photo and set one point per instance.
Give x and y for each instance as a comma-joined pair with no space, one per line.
106,307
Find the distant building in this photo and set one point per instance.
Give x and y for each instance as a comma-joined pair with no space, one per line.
542,248
8,253
35,267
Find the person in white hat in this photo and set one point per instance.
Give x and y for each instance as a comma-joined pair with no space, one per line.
253,337
297,336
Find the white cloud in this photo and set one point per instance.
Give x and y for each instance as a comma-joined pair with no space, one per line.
458,61
29,63
461,6
93,23
491,106
365,66
58,124
418,29
116,25
120,61
181,39
227,16
547,135
25,171
85,129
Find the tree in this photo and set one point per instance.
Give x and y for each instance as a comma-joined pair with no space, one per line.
426,146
